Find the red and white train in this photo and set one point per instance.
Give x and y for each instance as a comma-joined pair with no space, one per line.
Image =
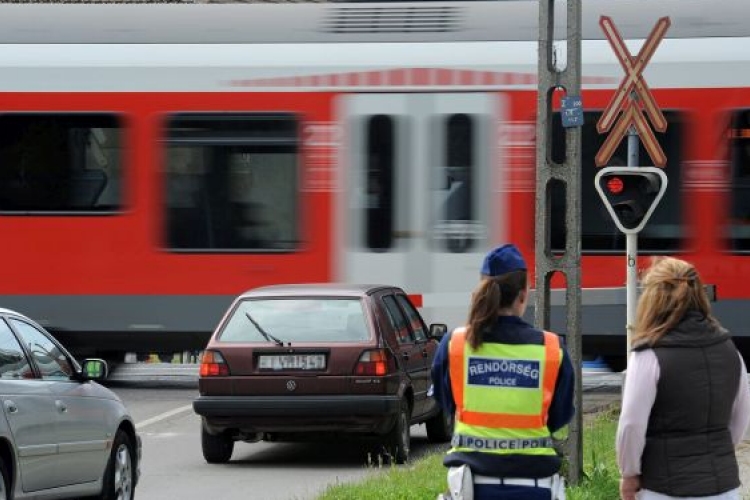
157,160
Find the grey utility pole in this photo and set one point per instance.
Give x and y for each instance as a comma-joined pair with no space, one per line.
567,174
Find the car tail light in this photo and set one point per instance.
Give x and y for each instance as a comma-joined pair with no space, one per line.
373,362
213,365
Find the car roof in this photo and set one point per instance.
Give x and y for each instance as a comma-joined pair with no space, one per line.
317,289
11,311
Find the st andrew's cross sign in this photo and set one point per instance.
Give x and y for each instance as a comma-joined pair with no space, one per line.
633,83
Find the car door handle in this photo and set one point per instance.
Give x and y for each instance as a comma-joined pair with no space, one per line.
61,406
405,355
10,406
424,353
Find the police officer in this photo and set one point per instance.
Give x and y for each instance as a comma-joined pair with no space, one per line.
510,386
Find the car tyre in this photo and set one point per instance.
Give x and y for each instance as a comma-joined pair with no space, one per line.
119,477
440,427
5,487
217,449
398,440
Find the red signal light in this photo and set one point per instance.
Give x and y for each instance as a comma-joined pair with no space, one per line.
615,185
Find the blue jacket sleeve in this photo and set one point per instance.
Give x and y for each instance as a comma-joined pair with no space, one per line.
441,381
562,408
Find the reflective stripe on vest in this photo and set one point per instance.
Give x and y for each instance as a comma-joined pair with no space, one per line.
476,443
537,419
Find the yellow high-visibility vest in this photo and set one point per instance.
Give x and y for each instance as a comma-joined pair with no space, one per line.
502,394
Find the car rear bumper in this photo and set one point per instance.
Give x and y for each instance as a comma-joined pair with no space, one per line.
296,407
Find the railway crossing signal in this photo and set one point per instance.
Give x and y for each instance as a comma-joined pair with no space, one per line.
632,84
631,194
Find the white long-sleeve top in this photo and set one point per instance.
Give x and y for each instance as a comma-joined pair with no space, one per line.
637,399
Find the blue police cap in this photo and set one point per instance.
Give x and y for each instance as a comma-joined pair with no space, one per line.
502,260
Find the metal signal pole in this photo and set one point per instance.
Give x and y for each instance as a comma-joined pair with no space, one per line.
631,253
567,174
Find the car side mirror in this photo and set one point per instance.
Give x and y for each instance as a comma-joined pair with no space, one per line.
438,330
94,369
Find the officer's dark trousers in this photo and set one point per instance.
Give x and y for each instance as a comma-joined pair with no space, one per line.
501,492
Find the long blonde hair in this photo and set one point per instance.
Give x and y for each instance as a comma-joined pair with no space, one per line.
492,295
671,287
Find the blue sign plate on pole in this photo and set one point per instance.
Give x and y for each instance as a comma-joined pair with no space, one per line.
572,111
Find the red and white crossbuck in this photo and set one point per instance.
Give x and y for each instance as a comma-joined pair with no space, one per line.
633,97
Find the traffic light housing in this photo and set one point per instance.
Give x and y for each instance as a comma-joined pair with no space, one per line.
631,194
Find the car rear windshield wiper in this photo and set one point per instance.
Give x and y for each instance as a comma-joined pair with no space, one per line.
265,334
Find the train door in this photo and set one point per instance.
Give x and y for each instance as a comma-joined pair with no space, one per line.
415,211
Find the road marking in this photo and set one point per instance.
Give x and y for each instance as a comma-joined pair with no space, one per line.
163,416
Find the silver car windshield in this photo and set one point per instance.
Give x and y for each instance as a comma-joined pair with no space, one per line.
297,320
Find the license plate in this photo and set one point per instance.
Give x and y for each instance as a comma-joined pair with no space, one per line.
292,362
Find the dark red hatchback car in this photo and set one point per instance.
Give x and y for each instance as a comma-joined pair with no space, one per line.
297,361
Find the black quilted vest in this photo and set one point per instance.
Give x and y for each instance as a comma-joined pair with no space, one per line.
689,450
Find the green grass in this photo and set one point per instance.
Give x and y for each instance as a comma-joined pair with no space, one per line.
601,478
424,479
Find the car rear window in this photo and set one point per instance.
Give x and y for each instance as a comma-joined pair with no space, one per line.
296,320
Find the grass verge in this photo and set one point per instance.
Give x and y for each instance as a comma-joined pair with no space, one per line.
601,477
424,479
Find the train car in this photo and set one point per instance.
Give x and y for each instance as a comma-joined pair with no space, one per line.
157,160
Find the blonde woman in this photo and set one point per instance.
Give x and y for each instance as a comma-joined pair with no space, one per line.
685,403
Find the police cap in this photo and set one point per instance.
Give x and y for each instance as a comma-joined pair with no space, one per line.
503,260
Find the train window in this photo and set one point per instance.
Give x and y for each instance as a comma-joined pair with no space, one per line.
456,217
379,169
60,163
739,137
665,230
231,182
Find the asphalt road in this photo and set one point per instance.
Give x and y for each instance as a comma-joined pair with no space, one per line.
173,465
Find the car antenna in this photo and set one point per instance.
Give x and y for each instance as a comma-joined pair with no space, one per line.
267,335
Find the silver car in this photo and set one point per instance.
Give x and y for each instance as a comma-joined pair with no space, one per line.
62,435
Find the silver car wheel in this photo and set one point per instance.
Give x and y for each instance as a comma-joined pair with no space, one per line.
123,481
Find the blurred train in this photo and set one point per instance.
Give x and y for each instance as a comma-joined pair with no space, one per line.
157,160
